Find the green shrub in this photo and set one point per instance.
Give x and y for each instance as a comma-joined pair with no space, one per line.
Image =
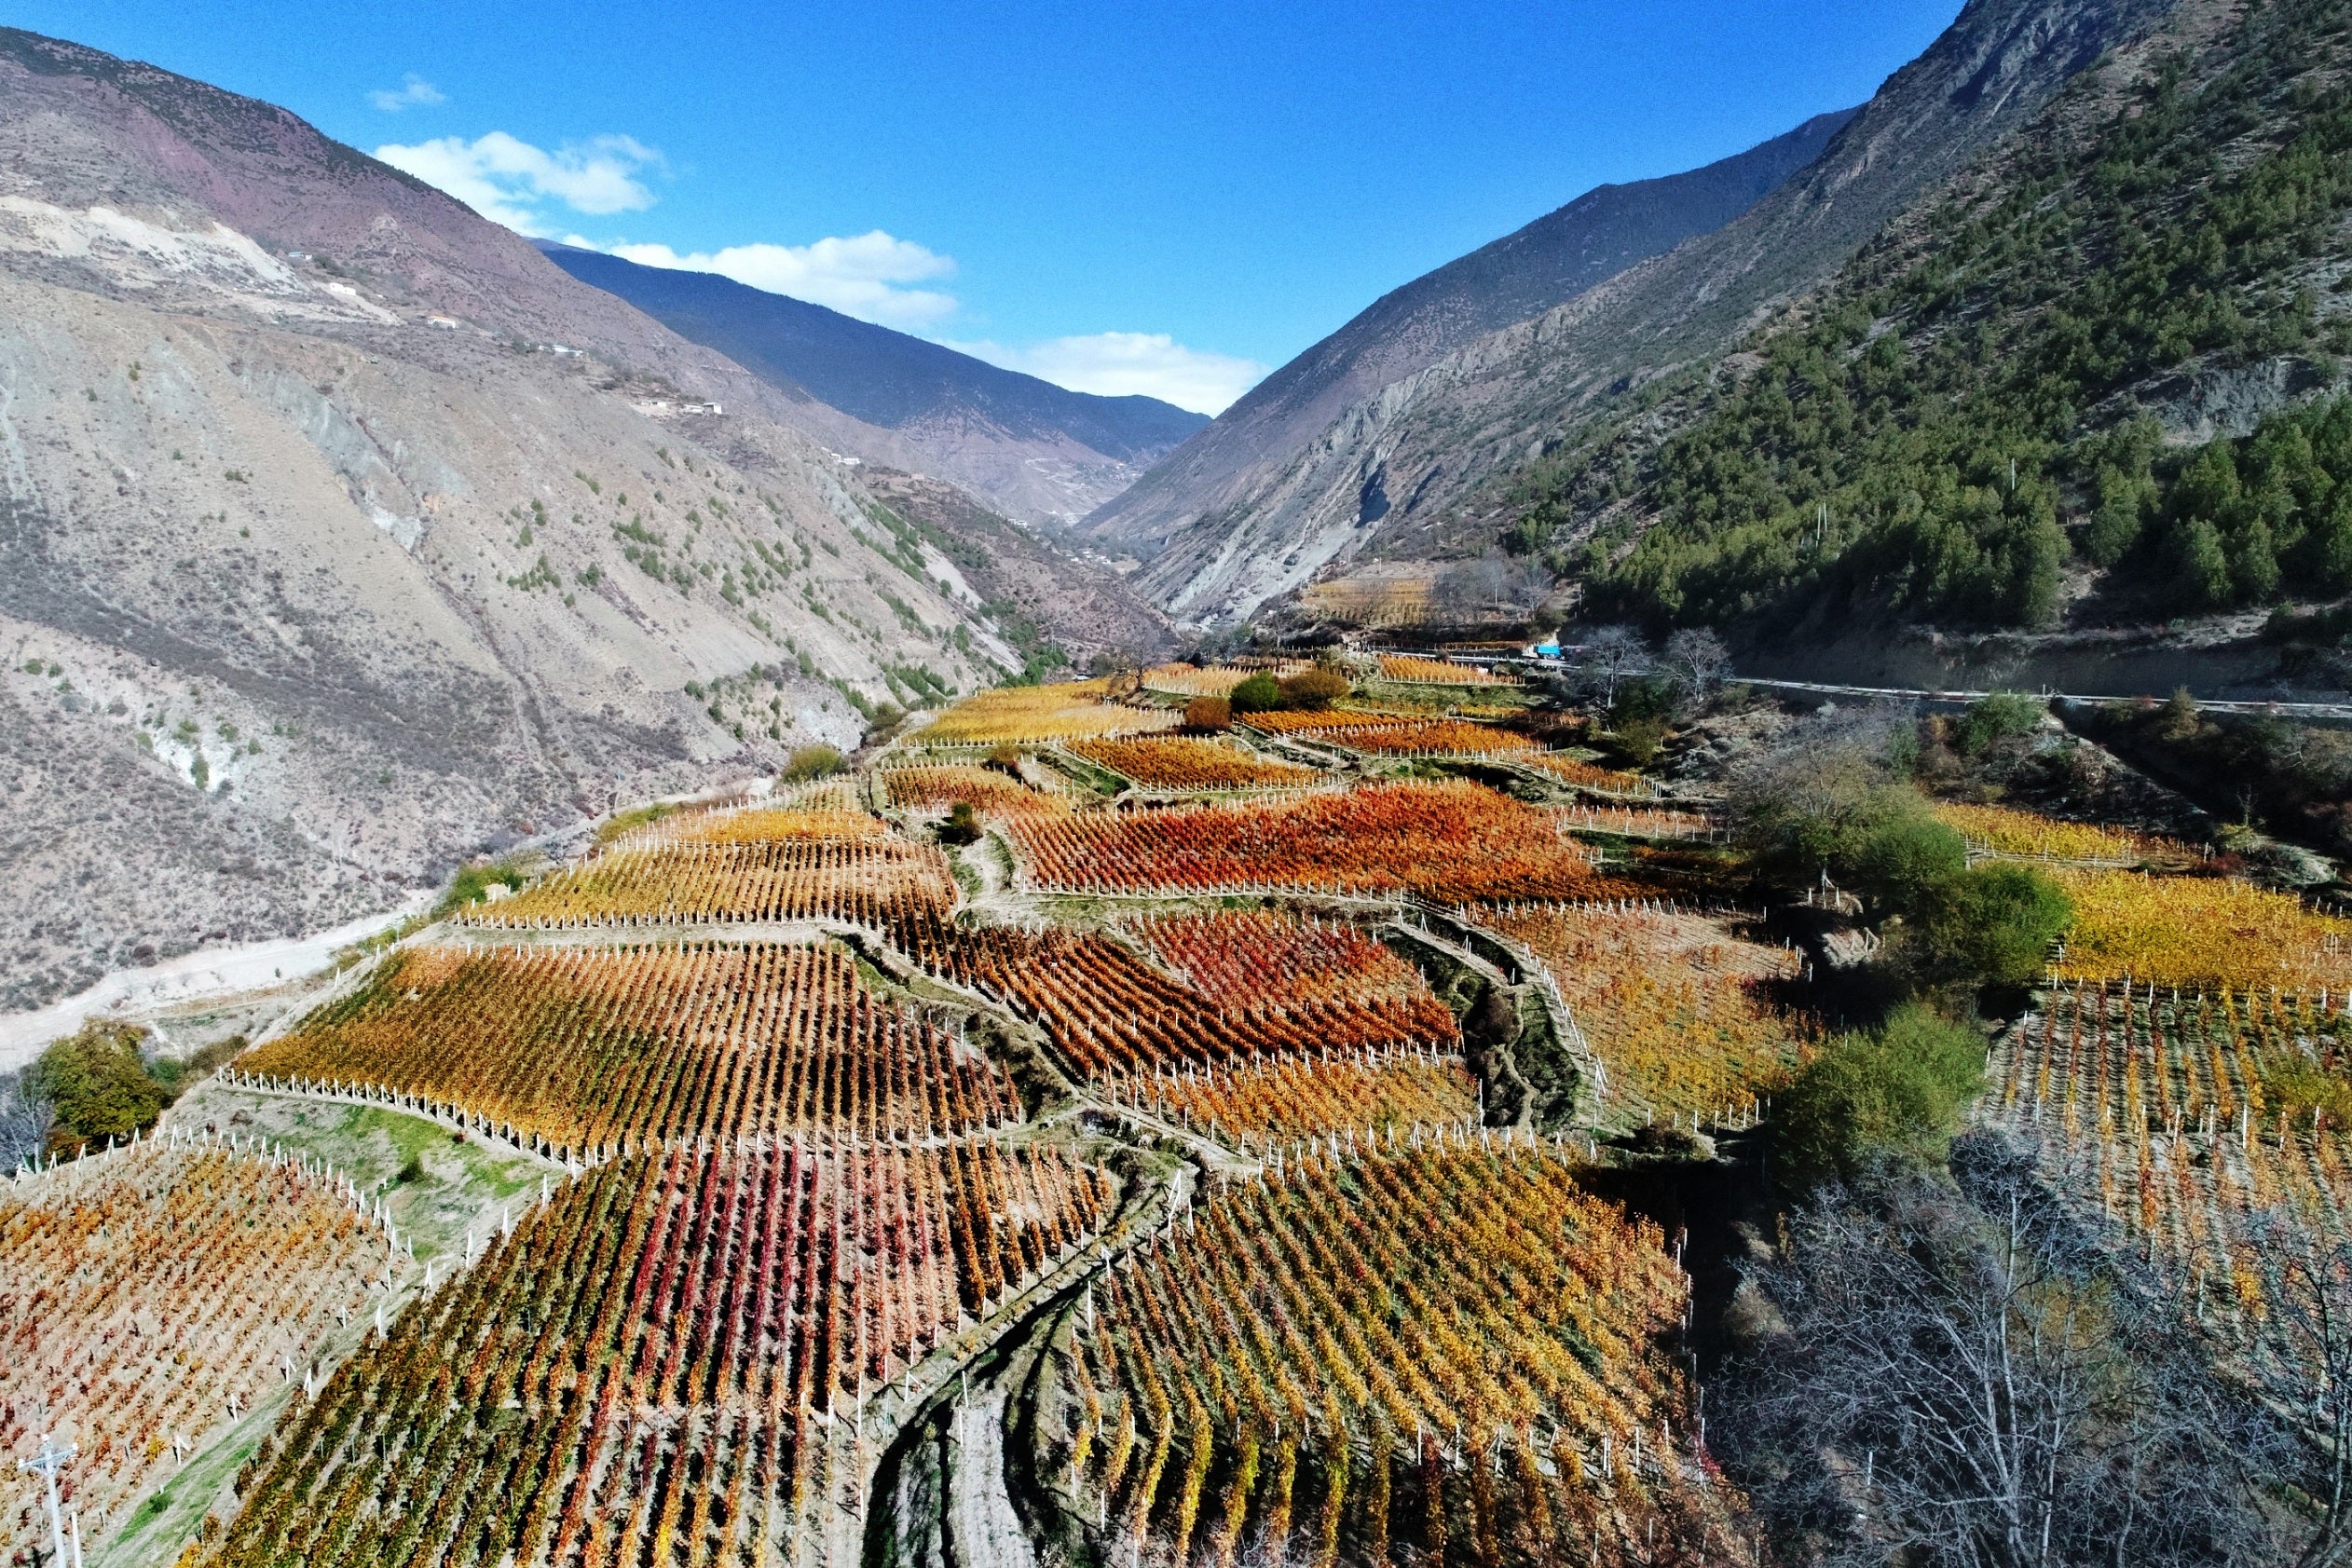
473,883
98,1086
963,826
1259,694
1995,923
1891,1095
812,762
1994,717
1640,739
1906,862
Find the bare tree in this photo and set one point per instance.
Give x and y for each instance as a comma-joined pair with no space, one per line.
1609,657
1960,1378
2312,1304
1698,662
25,1121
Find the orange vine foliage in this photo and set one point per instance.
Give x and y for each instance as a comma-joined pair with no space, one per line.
861,876
1180,762
1584,775
583,1047
1445,737
1383,1349
1436,672
984,789
149,1289
1303,1096
1108,1012
1217,680
1453,842
1669,1002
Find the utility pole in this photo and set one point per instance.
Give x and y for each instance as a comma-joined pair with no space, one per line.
46,1464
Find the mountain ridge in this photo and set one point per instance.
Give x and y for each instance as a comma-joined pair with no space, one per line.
1439,449
1552,259
946,408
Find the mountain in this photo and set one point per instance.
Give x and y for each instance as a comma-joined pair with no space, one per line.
1422,469
336,542
1035,451
1524,274
2094,384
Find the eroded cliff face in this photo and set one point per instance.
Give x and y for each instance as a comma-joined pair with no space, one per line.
1415,469
323,569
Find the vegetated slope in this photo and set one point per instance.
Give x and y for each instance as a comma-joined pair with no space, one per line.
1439,449
321,566
2068,387
1045,600
1524,273
1035,451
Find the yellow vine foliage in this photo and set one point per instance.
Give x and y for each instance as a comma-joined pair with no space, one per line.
2214,932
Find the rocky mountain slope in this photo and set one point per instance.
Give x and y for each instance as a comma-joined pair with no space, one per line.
1554,259
1422,467
1030,450
335,546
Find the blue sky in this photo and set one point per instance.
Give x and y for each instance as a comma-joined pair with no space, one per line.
1161,197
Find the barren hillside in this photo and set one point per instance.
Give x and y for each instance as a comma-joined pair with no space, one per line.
337,546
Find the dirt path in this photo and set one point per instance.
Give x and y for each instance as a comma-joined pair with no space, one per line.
209,972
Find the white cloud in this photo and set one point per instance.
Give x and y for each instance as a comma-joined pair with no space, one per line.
864,275
508,181
413,89
1124,364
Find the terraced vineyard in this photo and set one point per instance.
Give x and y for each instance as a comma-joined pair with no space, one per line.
1413,670
792,1197
2205,1135
1178,762
1635,821
1671,1002
1585,775
1261,1104
601,1047
1435,737
858,876
1454,843
674,1361
1109,1013
1434,1354
984,789
2008,831
2210,932
1031,715
153,1293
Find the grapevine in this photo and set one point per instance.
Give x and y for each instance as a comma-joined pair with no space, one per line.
1671,1002
2212,932
1369,1348
152,1294
1453,842
573,1046
676,1361
1026,714
1175,762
